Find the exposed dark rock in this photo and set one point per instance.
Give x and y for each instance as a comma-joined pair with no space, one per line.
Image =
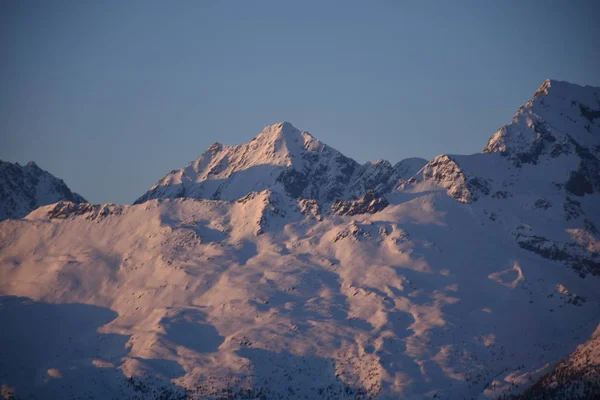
586,179
590,227
559,149
368,204
294,182
579,183
575,255
378,176
572,209
501,194
354,232
541,204
588,113
67,209
479,185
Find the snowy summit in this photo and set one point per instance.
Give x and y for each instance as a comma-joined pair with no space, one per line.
283,159
281,269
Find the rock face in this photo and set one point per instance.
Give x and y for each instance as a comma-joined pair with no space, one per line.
368,204
282,159
69,210
445,171
25,188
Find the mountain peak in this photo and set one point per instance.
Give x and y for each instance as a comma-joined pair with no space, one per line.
558,112
280,157
284,136
25,188
554,85
286,126
280,128
216,146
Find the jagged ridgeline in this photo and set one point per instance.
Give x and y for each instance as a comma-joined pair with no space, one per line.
281,158
282,269
25,188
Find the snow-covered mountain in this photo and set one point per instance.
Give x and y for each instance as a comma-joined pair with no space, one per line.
576,376
282,269
25,188
539,176
283,159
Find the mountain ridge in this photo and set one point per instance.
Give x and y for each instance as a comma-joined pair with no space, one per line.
471,277
284,159
293,159
25,188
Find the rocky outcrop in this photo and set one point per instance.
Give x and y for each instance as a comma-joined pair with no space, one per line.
446,172
578,257
93,212
368,204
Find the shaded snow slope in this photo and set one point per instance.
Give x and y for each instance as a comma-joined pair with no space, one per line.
468,277
577,376
409,167
25,188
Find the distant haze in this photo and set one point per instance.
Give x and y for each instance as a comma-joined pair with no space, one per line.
110,96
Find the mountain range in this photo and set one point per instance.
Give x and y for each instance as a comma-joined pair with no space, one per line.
281,268
283,159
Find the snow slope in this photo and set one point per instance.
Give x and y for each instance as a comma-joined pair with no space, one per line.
25,188
539,176
470,278
576,376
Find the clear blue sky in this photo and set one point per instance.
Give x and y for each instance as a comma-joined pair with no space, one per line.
111,95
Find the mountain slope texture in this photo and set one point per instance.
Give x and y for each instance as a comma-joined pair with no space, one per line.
25,188
281,269
281,158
